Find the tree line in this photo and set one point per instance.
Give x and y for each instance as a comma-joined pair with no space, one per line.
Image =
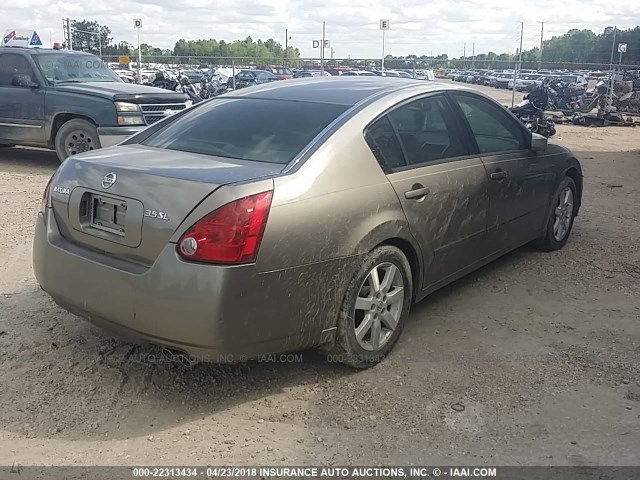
575,46
89,36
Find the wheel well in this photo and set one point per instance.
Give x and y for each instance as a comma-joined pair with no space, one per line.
63,118
412,256
577,178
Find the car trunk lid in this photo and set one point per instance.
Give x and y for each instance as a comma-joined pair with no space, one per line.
129,200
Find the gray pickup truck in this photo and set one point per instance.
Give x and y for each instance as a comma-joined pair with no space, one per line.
72,102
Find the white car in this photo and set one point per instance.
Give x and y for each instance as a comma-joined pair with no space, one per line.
525,81
125,75
358,73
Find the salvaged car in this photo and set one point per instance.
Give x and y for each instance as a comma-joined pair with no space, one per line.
305,213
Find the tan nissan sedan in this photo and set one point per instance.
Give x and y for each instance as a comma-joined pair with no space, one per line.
305,213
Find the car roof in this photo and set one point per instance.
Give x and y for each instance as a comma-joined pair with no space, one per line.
347,90
35,51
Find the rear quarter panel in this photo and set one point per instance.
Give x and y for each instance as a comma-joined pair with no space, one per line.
338,204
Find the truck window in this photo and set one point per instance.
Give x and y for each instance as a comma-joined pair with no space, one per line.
12,65
72,67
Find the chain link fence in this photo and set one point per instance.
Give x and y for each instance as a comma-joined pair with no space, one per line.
187,61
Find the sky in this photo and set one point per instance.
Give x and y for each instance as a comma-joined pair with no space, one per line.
352,26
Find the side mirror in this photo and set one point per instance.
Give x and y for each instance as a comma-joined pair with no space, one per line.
538,142
23,81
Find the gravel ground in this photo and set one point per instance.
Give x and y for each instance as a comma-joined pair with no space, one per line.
534,359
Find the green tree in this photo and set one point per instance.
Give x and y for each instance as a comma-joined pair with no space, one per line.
88,36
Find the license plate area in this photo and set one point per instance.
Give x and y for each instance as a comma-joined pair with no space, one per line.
105,218
104,213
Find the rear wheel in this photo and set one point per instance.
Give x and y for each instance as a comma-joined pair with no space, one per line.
76,136
374,309
560,221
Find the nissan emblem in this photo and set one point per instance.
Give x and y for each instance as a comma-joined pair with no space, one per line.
108,180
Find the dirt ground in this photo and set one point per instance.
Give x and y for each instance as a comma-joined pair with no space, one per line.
534,359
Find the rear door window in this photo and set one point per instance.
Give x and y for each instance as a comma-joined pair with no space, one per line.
427,132
273,131
12,65
384,144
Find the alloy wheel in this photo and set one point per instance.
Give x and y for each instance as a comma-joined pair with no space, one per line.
563,214
378,306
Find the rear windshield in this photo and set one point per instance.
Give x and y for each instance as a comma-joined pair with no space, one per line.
273,131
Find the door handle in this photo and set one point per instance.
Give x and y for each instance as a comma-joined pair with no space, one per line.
498,175
417,192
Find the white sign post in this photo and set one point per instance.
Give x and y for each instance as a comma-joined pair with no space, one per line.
321,44
137,24
622,48
384,26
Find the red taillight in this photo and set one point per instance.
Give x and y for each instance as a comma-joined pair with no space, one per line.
230,234
46,196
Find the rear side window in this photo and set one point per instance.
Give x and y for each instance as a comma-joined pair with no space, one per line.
427,132
494,130
12,65
273,131
384,144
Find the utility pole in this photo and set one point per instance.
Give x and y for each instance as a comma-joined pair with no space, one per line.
515,70
464,54
322,50
67,24
473,55
612,68
541,37
286,42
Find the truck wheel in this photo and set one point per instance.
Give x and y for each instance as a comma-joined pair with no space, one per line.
76,136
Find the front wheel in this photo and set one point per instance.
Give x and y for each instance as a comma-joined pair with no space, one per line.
374,310
76,136
560,223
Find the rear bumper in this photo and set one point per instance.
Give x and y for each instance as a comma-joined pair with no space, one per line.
110,136
213,313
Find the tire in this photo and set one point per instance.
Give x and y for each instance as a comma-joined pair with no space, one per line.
550,241
76,136
382,310
551,130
